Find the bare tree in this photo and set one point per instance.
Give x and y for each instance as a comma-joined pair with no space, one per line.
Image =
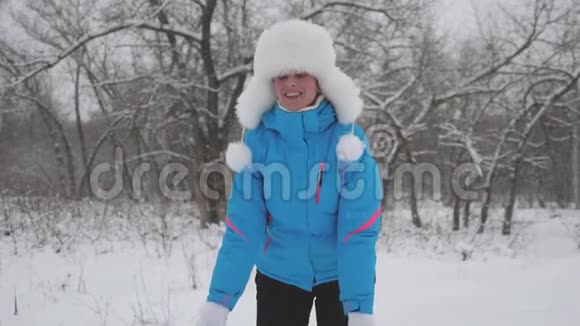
519,156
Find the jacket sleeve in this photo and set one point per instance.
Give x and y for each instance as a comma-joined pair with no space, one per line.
245,223
359,215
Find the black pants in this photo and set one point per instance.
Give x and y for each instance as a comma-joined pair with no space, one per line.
280,304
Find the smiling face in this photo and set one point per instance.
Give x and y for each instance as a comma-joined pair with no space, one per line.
296,91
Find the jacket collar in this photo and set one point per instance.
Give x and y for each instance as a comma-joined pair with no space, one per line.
302,123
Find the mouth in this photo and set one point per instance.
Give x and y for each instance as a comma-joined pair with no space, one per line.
292,95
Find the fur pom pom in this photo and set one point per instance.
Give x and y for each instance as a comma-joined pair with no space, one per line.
238,156
349,148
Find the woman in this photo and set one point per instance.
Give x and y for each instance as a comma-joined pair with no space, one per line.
305,202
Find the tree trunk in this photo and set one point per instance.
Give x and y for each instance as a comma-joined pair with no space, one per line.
58,136
216,210
80,124
385,186
70,168
415,217
176,62
456,212
557,168
216,140
466,214
485,208
201,202
509,210
576,163
539,194
59,164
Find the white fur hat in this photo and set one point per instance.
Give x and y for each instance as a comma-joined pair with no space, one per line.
296,46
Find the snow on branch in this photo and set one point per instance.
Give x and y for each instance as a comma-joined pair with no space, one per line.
551,100
354,49
540,162
160,9
243,69
458,138
320,9
382,105
161,152
554,96
177,30
455,93
119,82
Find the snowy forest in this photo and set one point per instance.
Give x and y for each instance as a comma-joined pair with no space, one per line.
99,98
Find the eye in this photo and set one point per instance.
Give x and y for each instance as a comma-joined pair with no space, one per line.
300,75
282,77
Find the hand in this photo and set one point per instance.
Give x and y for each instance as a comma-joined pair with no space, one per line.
212,314
360,319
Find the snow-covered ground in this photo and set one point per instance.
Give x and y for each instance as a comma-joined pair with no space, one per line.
530,279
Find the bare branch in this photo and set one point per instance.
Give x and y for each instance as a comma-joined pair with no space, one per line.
119,82
354,49
234,72
89,37
161,152
177,30
200,4
160,9
553,98
533,35
320,9
382,105
66,53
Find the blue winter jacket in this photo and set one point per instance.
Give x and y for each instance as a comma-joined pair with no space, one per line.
300,215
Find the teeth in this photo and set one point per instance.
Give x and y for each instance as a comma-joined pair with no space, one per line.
292,94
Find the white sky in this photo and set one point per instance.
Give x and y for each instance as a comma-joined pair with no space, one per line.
458,17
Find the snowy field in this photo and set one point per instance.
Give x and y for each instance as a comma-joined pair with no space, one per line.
142,268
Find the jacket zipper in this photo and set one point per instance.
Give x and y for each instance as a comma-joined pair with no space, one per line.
307,217
319,183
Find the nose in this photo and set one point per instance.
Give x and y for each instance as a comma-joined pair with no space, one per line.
291,81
